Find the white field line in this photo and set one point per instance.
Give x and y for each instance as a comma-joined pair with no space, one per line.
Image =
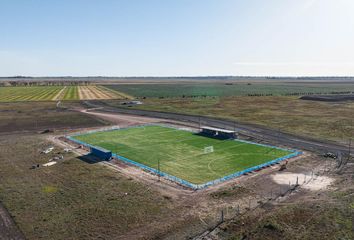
60,95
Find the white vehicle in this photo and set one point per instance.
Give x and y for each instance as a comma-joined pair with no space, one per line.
48,150
67,150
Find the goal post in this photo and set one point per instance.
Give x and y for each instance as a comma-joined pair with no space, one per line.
208,149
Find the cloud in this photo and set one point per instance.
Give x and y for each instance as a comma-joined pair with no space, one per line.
308,5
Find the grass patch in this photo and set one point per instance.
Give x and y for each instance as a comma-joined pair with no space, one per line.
49,189
71,93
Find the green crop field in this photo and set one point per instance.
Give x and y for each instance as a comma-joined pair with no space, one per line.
235,89
182,153
71,93
11,94
56,93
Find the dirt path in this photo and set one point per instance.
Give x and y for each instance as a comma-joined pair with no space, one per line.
122,119
8,228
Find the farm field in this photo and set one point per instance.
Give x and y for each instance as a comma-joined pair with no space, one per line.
182,153
229,89
9,94
56,93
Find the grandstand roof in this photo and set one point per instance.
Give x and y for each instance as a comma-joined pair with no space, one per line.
217,129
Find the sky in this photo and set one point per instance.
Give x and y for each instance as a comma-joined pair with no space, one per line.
177,37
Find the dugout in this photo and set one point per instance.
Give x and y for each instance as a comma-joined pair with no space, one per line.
101,153
218,133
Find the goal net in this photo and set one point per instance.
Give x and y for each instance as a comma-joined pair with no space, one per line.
209,149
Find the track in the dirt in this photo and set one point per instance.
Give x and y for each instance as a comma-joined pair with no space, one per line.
255,131
8,228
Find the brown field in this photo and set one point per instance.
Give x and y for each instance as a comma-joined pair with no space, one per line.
96,92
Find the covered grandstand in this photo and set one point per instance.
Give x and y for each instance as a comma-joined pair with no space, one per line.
218,132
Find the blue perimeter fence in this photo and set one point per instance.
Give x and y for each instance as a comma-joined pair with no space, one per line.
178,180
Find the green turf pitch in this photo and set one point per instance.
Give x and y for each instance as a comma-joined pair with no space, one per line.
182,153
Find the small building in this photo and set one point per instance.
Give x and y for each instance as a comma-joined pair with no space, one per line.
101,153
218,132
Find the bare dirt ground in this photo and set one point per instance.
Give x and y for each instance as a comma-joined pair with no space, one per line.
318,182
121,119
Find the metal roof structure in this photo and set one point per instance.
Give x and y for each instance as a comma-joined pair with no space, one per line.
217,129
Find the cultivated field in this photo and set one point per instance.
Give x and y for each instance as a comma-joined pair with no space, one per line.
12,94
56,93
167,90
182,153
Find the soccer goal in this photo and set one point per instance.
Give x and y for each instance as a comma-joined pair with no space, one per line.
208,149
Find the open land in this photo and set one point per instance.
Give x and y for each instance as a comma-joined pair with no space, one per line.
81,197
181,153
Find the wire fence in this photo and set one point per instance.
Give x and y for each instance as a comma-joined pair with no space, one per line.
247,205
178,180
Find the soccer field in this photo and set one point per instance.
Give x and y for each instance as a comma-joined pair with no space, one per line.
181,153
